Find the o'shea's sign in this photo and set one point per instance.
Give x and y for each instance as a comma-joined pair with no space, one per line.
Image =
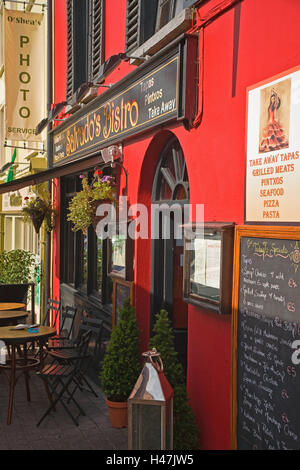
24,74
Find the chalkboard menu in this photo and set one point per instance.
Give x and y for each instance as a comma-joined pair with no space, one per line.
266,324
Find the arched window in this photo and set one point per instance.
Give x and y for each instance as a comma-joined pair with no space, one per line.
171,188
171,179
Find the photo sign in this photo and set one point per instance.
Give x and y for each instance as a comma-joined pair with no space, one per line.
151,100
24,74
273,150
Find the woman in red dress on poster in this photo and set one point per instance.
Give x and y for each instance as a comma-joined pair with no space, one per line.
273,135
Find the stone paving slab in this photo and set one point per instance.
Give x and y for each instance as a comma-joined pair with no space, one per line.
57,431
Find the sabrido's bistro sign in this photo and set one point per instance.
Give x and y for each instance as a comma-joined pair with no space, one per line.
132,106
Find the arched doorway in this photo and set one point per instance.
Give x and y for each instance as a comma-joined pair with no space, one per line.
170,190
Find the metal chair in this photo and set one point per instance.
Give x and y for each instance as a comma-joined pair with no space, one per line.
62,379
52,312
68,315
66,355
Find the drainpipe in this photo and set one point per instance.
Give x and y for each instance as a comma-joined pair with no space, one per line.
49,141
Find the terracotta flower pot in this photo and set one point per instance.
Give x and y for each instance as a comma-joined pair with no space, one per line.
117,412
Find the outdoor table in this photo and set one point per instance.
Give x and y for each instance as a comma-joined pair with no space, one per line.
14,339
11,305
12,317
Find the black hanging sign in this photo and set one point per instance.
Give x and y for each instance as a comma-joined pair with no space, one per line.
153,94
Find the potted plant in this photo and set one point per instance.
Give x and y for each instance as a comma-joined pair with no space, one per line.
186,434
37,209
83,206
121,365
16,274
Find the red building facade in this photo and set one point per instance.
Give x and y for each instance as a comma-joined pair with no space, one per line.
228,46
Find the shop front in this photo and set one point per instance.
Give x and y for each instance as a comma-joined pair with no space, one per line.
211,120
129,133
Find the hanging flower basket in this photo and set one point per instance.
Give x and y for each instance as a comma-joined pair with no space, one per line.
37,209
37,220
83,206
97,218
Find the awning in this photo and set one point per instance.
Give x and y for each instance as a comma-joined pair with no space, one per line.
51,173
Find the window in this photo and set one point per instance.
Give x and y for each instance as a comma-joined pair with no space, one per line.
145,18
19,235
85,49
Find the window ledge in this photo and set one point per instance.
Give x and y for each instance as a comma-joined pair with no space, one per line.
165,35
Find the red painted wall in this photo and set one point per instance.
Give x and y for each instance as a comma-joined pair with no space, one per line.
268,43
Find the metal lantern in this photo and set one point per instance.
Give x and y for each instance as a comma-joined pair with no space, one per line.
150,408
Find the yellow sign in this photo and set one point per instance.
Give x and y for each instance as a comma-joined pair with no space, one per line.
24,74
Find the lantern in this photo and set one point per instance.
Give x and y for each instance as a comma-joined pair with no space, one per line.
150,408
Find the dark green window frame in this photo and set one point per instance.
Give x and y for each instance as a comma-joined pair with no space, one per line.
80,270
145,17
85,42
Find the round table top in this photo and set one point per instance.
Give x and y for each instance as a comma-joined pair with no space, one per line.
9,334
12,314
11,305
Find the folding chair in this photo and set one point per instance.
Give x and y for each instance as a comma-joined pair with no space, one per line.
52,312
66,356
62,380
68,315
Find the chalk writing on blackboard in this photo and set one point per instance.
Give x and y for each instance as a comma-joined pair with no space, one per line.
268,381
271,249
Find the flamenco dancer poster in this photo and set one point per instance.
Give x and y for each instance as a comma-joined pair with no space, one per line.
275,117
273,150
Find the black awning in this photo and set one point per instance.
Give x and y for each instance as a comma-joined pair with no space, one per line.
51,173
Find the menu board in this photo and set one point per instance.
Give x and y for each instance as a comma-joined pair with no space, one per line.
205,267
267,333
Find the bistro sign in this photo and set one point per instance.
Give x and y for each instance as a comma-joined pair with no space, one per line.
142,103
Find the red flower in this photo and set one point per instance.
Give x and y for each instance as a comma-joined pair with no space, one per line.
97,172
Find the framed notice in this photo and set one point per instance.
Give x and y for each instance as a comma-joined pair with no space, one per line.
122,290
208,259
120,253
273,150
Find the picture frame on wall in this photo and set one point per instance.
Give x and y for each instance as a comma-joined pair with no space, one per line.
120,253
122,290
272,150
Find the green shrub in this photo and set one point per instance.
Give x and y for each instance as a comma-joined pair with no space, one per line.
16,267
185,430
121,364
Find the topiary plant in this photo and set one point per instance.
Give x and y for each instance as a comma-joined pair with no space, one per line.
121,364
186,434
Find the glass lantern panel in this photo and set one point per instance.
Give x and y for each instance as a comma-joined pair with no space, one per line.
169,418
146,427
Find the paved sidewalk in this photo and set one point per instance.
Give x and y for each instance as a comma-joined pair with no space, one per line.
57,431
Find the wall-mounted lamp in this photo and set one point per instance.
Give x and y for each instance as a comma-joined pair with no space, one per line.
87,91
57,108
112,153
112,157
